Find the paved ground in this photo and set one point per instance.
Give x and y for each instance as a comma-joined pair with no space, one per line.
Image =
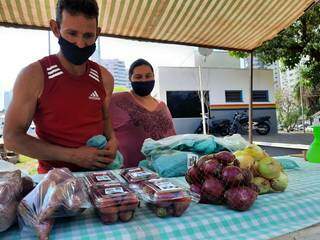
283,137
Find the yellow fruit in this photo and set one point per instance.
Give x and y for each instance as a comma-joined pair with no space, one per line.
255,151
246,161
269,168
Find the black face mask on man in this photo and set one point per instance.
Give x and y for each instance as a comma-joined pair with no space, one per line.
73,53
143,88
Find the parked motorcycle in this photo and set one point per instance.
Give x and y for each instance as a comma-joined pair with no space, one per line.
216,127
240,124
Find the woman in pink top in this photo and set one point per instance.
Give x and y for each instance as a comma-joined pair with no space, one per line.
136,115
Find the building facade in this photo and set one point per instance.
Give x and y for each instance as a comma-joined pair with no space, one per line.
7,99
289,79
218,59
226,92
275,67
118,71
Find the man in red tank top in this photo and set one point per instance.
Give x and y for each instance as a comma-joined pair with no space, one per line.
66,95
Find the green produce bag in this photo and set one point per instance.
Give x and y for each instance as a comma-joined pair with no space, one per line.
100,141
196,143
172,163
287,163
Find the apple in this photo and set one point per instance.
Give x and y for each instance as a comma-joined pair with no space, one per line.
255,151
280,184
269,168
263,184
246,160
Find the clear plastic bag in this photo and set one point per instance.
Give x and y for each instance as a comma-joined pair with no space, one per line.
59,194
232,143
113,202
10,192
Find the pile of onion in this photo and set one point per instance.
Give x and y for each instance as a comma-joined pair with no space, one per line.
218,179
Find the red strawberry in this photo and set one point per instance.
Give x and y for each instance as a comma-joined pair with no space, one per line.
126,216
180,206
109,218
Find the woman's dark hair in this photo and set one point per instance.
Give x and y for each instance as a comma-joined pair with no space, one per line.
137,63
88,8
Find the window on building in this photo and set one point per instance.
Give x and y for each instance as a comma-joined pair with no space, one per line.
233,96
260,96
186,104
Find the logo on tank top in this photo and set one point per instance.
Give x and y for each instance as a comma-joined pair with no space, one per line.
53,71
94,96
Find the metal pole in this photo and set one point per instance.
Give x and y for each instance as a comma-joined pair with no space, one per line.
202,103
302,110
99,50
250,98
49,43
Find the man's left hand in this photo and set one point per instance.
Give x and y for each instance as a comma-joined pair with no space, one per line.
111,147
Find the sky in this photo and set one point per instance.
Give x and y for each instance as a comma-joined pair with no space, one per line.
20,47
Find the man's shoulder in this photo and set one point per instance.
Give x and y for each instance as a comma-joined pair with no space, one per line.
32,71
104,71
106,75
30,80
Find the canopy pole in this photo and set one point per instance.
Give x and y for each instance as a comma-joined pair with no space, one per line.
49,43
204,127
302,110
250,97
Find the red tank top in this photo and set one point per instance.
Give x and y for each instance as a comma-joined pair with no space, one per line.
70,109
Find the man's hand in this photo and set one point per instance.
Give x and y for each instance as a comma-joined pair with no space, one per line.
91,158
111,148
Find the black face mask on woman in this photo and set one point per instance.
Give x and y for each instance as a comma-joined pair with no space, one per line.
143,88
73,53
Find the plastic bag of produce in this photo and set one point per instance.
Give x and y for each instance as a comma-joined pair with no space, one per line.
172,163
59,194
10,192
232,143
146,165
218,179
197,143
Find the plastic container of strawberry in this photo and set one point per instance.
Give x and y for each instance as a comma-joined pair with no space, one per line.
113,202
164,197
136,175
100,178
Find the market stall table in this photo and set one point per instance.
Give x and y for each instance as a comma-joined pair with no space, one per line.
271,216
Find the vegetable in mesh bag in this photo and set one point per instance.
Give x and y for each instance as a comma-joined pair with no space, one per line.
59,194
10,191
